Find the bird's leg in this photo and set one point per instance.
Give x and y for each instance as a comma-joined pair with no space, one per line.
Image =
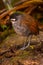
26,44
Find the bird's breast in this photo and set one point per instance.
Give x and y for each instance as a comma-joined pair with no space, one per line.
21,29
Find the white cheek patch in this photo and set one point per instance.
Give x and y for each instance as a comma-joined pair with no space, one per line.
13,20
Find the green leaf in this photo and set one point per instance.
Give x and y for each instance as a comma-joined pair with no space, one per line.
3,27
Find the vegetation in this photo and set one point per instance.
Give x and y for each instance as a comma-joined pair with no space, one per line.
11,42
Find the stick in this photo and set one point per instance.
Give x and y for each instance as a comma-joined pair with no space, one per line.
18,7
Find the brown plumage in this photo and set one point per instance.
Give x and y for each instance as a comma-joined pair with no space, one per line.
24,25
31,23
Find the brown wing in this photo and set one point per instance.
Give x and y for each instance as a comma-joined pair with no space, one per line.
31,23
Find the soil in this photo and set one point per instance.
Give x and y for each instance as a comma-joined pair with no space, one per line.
10,53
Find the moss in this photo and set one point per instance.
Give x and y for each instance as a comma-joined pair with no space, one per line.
5,34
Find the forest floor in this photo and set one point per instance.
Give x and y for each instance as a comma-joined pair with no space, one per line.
10,54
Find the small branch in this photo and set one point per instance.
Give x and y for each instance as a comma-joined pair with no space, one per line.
2,11
30,9
25,4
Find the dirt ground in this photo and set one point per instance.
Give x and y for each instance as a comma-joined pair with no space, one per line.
11,55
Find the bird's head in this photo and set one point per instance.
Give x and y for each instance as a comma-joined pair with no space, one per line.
15,17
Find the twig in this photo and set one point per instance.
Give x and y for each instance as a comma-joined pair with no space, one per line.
25,4
2,11
30,9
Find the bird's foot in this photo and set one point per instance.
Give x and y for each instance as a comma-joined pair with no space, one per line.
26,45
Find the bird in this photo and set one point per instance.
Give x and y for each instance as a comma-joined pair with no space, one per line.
25,25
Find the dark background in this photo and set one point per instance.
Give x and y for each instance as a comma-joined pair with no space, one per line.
1,5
